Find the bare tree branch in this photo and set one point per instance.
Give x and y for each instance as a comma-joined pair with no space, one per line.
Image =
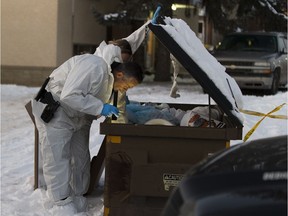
266,3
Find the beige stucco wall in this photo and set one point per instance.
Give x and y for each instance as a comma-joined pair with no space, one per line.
29,32
77,25
86,28
64,28
38,35
41,33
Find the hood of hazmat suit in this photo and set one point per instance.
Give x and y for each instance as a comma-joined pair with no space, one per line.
137,37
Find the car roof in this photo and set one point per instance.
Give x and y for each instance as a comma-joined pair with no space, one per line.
261,154
258,33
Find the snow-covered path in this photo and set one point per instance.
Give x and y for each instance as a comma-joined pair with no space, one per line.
17,139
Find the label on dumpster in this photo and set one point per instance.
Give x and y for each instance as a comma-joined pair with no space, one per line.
171,180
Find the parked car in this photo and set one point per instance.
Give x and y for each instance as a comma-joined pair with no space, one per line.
247,179
256,60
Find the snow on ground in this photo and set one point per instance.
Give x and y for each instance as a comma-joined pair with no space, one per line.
17,139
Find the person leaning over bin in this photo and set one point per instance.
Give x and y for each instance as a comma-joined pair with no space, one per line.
129,46
77,92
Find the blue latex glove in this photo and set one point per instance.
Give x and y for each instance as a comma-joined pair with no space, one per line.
156,14
109,110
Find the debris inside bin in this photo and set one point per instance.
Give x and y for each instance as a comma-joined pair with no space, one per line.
163,114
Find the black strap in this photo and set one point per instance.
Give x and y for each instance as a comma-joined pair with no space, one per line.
42,90
115,102
47,98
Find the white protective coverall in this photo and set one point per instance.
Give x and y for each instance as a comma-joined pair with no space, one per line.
137,37
82,85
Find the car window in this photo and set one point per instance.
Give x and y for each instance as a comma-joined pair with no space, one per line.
283,44
262,43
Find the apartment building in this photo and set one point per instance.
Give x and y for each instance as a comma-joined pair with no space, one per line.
39,35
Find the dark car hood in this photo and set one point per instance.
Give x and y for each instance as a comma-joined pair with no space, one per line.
243,55
253,174
246,179
263,154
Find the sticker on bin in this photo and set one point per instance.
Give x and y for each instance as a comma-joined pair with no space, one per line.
171,180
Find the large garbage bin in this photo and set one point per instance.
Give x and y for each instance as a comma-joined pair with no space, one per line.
145,162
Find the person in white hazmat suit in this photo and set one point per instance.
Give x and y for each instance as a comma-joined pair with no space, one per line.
82,86
129,46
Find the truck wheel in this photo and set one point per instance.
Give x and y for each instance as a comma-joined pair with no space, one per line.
275,83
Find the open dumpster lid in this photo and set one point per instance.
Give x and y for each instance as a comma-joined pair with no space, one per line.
184,45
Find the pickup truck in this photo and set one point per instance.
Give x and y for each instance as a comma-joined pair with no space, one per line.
256,60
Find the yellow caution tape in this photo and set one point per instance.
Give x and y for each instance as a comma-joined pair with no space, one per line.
249,112
251,131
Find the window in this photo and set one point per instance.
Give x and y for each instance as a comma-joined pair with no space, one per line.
283,44
200,27
261,43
